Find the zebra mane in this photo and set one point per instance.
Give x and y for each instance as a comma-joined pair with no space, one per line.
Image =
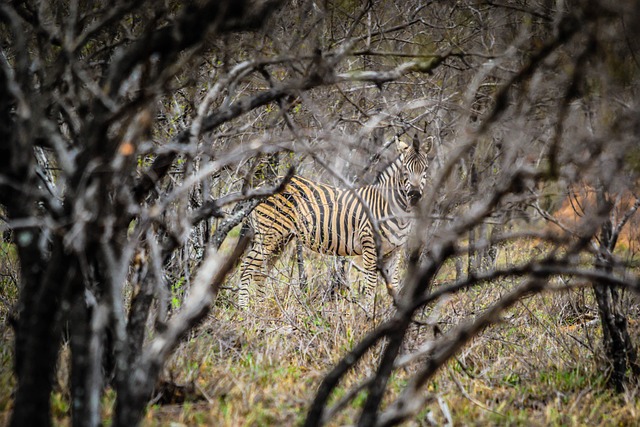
392,167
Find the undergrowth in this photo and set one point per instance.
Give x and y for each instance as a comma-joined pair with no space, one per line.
541,365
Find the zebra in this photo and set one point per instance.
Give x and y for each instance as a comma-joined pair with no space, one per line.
337,221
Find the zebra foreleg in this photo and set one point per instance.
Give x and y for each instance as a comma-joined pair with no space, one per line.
392,270
370,265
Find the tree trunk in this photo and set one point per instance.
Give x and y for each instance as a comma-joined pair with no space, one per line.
615,336
473,188
79,339
616,340
38,338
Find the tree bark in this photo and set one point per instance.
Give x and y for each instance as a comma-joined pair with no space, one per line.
38,338
79,339
616,340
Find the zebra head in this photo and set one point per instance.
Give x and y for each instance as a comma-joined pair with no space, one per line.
414,167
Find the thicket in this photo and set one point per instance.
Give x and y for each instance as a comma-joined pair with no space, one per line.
138,135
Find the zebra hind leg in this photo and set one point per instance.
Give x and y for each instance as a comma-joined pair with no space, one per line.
302,274
262,255
252,272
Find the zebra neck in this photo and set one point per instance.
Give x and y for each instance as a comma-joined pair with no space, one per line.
389,208
390,184
387,201
395,195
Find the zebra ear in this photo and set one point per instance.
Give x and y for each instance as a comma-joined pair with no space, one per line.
401,146
428,145
416,143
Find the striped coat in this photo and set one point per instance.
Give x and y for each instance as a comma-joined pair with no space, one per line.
336,221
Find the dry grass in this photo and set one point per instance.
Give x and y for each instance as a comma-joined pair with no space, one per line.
262,366
539,366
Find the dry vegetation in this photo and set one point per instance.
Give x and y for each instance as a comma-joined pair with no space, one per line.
262,366
534,368
139,134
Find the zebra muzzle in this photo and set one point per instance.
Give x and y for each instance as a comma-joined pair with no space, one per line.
414,196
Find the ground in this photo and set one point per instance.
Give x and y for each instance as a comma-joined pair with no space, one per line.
542,365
